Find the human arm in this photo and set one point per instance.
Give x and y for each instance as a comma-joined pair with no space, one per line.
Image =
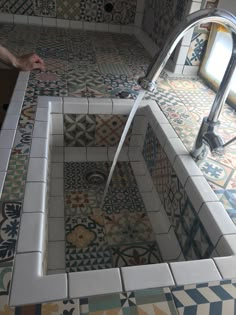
26,62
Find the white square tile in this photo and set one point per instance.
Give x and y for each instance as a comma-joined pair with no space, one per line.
190,272
41,114
7,138
37,288
49,21
199,191
57,140
63,23
90,26
216,221
75,154
39,148
35,20
127,29
169,245
123,156
57,170
57,154
55,271
4,159
183,52
10,122
191,70
56,229
44,101
136,141
100,106
2,180
174,147
138,167
55,104
154,114
37,170
227,245
40,129
151,200
75,105
114,28
94,282
140,5
138,19
195,6
135,154
56,207
122,106
6,18
226,266
56,187
164,132
76,24
56,255
97,154
31,234
147,276
57,124
159,221
35,197
22,81
139,125
102,27
144,182
184,167
16,102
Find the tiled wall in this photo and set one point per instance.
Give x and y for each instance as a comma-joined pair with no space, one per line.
192,236
108,11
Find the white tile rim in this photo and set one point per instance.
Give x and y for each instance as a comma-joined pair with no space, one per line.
46,103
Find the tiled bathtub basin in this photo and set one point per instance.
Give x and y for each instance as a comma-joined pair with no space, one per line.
189,224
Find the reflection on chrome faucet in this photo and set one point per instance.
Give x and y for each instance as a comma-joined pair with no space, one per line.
206,135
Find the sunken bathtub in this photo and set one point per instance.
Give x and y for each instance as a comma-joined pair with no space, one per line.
160,224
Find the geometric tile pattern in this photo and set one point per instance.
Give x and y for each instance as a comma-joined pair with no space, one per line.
21,7
94,130
149,301
45,8
14,185
207,298
193,238
23,140
9,227
115,9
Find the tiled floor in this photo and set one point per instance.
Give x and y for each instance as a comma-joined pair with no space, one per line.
118,235
90,64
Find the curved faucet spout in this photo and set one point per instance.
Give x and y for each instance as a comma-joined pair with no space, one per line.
206,134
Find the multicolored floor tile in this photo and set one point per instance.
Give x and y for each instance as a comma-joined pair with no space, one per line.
23,139
9,228
145,302
14,185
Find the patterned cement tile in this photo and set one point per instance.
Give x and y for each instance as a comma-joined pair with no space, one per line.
129,229
4,7
150,301
215,172
9,227
45,8
69,11
84,231
24,7
89,258
150,149
182,85
27,115
136,254
22,140
5,281
79,130
14,185
109,129
91,11
66,307
83,202
121,201
120,12
197,48
206,298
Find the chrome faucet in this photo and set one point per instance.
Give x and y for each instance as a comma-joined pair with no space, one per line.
206,135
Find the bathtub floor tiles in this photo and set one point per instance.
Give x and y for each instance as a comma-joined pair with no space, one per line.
89,258
9,222
129,228
150,301
14,185
136,254
84,202
206,298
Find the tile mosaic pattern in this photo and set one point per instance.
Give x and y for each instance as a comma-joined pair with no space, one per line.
5,281
45,8
119,12
151,301
23,140
94,130
207,298
16,176
119,234
193,238
9,227
20,7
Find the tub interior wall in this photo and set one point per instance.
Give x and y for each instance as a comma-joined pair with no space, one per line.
77,138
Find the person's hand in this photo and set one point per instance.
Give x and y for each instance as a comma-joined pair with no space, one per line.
29,62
